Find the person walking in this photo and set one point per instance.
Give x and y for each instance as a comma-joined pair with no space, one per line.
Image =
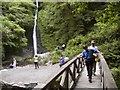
95,55
36,62
87,55
63,49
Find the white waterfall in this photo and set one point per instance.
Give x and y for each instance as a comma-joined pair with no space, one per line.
34,30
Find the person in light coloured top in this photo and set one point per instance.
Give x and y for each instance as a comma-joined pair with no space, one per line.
66,58
93,46
14,63
36,62
63,47
96,49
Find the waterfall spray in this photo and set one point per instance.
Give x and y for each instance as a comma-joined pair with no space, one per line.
34,30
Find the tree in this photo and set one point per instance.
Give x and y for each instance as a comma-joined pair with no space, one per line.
21,13
58,23
16,26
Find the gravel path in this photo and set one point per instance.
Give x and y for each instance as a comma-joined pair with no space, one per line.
25,75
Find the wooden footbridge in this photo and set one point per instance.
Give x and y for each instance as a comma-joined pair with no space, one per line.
71,75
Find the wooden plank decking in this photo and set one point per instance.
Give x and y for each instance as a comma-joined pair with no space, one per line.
84,83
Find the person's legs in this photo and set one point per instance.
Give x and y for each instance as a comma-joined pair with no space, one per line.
94,67
90,70
35,65
87,66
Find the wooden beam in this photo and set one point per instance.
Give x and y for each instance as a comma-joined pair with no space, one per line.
71,74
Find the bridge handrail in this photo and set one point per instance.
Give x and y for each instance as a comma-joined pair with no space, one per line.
65,72
107,78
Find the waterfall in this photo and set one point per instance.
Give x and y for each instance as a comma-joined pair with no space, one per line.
34,30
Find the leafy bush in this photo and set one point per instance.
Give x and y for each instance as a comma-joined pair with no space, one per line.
116,75
74,46
12,34
55,57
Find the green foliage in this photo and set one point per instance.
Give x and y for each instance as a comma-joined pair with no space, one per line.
58,24
16,23
55,57
12,34
39,58
21,13
108,31
76,24
111,53
116,75
74,46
